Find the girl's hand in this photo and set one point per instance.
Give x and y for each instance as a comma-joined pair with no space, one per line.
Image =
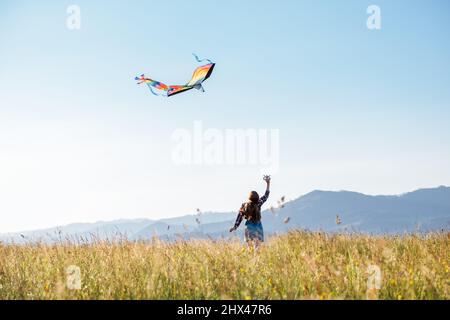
266,178
232,229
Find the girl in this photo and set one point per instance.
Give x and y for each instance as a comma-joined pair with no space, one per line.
251,211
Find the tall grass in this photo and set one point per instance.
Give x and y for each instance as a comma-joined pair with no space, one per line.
298,265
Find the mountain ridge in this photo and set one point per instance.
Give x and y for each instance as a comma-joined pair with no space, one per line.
423,210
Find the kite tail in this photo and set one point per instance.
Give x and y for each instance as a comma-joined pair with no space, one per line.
201,60
154,93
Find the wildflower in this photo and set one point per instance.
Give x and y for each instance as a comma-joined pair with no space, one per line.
281,202
338,220
323,296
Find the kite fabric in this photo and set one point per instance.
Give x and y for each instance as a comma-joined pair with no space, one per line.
198,77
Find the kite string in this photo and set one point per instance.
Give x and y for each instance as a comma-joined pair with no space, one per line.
201,60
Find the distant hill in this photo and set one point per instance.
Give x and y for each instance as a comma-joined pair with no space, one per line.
422,210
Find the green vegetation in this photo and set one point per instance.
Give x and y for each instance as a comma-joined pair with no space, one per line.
298,265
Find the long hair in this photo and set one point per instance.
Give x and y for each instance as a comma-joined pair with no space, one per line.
252,211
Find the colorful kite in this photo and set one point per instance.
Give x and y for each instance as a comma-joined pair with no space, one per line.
200,75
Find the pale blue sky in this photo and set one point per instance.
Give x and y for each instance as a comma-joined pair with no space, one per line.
357,109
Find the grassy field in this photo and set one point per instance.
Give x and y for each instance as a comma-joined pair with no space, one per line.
299,265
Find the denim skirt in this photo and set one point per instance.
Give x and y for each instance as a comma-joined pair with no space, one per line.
254,231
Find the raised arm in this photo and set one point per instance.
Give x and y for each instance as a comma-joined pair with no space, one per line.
266,194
